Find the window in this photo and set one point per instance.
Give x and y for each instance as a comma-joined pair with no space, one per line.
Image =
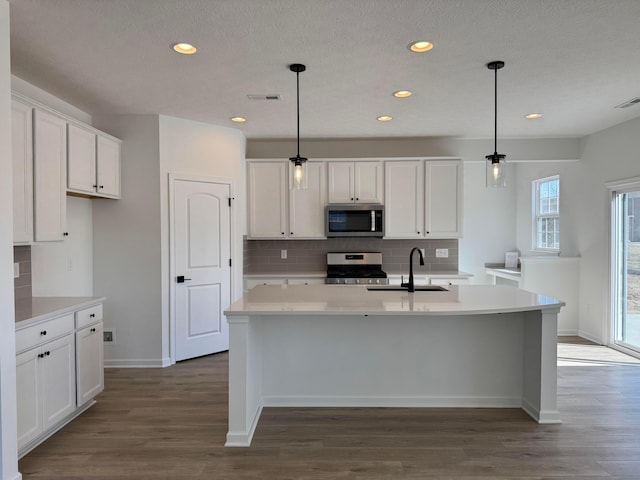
546,213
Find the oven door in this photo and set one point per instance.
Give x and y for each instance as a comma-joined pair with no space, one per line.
354,221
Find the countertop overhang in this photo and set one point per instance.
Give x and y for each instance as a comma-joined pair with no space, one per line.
32,310
357,300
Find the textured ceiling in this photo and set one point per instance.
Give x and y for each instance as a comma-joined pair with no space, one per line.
572,60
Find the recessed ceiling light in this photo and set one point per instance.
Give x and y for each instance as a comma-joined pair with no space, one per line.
238,119
402,94
420,46
184,48
533,115
384,118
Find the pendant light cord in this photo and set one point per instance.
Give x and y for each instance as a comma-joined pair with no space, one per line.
495,113
298,109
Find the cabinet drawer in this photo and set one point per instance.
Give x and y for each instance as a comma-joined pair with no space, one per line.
43,332
88,316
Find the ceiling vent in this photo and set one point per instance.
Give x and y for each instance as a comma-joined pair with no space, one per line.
629,103
269,96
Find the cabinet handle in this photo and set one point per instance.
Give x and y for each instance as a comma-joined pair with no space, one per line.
352,199
95,186
43,333
282,233
93,330
47,353
418,233
291,233
92,315
41,355
66,234
357,199
101,186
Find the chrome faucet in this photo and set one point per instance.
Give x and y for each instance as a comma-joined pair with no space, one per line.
410,285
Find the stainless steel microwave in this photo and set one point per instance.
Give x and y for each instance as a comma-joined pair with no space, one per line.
354,220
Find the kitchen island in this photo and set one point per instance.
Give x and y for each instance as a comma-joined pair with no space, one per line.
337,346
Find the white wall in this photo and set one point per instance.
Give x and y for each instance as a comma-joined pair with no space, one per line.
8,429
127,242
612,154
65,269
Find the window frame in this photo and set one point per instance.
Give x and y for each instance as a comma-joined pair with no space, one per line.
537,215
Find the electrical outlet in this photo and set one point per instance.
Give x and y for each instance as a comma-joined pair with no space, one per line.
283,254
108,336
442,253
16,270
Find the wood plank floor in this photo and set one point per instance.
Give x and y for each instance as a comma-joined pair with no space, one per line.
171,424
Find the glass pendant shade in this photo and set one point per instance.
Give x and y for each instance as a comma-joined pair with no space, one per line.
496,171
300,177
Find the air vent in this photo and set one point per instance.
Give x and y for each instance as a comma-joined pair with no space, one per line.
629,103
269,96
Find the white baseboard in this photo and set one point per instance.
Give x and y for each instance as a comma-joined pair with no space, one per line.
567,333
399,401
243,439
590,337
547,417
137,362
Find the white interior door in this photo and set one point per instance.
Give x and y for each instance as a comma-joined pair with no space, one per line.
202,253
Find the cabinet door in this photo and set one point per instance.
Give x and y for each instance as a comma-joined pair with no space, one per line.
403,204
306,207
50,176
29,395
89,363
341,182
443,199
108,167
81,160
267,193
22,155
368,187
58,380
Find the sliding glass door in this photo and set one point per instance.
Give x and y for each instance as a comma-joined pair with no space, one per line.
626,269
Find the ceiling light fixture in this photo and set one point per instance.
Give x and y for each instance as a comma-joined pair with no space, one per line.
496,166
420,46
531,116
238,119
300,177
402,94
384,118
184,48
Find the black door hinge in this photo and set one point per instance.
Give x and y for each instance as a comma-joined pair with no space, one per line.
229,262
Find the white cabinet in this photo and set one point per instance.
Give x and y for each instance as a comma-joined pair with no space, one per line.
423,199
59,370
108,167
269,214
404,193
46,387
306,207
443,199
22,155
93,163
50,176
267,195
355,182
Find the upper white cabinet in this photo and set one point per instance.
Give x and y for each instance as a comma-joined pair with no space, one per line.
93,163
356,182
274,212
50,176
22,155
267,194
306,207
443,199
404,205
423,199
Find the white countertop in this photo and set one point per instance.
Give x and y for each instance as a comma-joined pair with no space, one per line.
323,274
34,309
340,300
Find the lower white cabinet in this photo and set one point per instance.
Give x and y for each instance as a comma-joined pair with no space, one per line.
46,387
59,370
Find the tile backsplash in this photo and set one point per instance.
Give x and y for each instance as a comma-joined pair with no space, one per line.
22,284
264,256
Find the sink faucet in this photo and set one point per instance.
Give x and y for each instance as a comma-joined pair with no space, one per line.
410,285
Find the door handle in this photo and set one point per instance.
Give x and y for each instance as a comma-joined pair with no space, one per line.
181,279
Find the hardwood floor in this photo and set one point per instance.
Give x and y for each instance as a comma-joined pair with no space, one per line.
171,424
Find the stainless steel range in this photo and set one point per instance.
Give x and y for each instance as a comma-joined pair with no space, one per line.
355,268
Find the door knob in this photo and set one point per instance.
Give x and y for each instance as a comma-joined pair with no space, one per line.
181,279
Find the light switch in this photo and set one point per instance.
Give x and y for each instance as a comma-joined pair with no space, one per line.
442,253
16,270
283,254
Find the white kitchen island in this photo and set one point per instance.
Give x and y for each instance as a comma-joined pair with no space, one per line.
337,346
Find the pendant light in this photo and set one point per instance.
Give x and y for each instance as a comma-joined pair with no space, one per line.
496,166
300,177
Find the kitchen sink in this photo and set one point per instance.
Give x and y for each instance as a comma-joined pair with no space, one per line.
398,288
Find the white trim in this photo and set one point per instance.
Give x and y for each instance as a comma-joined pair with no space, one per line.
189,177
624,184
590,337
243,439
568,333
621,348
137,363
462,401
